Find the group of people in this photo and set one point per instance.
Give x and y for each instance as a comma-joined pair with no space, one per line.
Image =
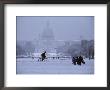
78,60
75,60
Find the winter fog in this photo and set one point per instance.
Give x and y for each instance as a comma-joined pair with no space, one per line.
64,28
55,45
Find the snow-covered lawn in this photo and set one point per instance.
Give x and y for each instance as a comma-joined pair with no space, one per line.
53,66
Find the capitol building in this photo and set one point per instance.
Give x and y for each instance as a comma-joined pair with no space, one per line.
46,42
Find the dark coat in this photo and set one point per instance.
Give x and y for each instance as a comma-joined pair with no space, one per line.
43,56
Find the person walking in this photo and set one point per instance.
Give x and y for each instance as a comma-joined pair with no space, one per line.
43,56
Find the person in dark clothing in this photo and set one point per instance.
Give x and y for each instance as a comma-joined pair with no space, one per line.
73,60
43,56
32,57
53,57
80,60
77,60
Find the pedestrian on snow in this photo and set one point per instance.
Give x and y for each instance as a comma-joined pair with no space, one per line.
43,56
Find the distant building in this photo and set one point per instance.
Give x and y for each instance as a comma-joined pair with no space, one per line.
47,42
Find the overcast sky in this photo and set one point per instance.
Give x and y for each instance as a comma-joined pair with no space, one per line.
64,28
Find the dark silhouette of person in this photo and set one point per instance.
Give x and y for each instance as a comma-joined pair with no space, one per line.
73,60
32,57
58,57
76,60
53,57
43,56
80,60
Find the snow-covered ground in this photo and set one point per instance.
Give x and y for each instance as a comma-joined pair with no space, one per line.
53,66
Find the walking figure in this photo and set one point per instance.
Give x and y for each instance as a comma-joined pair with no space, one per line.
43,56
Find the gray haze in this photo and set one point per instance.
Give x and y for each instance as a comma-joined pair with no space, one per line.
64,28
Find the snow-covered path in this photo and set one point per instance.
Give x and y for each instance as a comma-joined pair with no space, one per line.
53,66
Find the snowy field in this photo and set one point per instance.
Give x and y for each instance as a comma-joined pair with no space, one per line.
53,66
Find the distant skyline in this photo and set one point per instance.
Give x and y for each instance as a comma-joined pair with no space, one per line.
63,27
